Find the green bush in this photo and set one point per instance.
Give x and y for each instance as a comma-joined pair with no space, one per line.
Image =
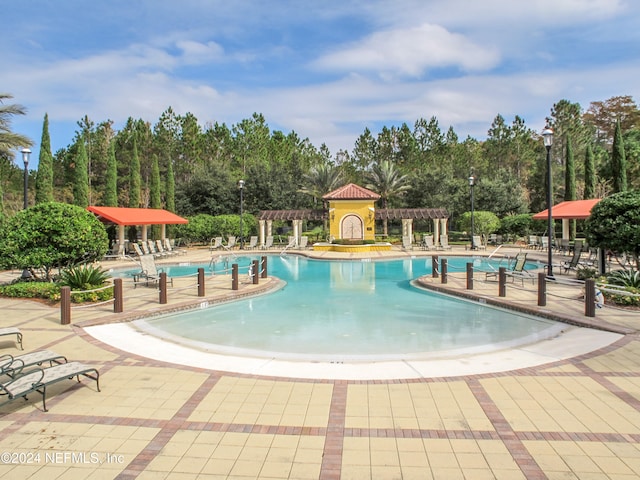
45,290
624,300
84,277
625,278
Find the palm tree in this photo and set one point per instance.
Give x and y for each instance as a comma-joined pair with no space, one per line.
387,181
320,180
10,141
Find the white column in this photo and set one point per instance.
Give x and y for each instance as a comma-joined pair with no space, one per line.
407,228
565,228
163,231
443,225
262,225
121,239
436,231
144,233
269,227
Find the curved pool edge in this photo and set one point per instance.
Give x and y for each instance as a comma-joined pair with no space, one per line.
573,342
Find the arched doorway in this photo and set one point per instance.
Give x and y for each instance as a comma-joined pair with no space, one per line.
352,227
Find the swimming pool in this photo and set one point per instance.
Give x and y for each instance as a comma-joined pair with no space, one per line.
346,311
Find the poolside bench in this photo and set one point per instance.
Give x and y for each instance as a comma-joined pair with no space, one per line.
13,331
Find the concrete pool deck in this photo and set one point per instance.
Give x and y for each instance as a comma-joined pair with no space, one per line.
571,417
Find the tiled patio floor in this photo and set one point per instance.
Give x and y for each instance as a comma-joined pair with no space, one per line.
576,418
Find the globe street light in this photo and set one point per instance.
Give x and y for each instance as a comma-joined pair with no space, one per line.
25,158
241,187
547,137
472,182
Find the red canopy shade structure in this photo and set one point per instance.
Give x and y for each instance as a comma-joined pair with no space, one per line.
569,210
136,216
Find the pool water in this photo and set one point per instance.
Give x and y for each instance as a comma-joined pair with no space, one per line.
349,310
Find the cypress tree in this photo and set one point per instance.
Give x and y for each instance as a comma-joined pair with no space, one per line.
81,176
170,200
44,177
134,178
154,191
589,174
111,179
570,181
618,162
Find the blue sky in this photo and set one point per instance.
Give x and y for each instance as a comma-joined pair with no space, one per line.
325,69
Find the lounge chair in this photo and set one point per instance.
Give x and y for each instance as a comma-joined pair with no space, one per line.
477,242
160,248
253,242
13,331
444,242
39,380
153,251
137,249
171,248
518,271
533,241
231,242
215,243
14,366
575,260
304,241
268,243
149,272
117,251
406,243
427,242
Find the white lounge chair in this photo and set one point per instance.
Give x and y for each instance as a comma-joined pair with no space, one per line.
406,243
171,248
215,243
149,272
39,380
14,366
268,243
231,242
13,331
253,242
444,242
427,242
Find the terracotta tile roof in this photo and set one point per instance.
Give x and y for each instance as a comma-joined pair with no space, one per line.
351,191
136,216
575,209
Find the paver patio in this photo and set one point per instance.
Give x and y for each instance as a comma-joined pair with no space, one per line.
575,418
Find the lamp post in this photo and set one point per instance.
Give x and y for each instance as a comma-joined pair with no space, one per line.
472,183
241,187
547,137
25,158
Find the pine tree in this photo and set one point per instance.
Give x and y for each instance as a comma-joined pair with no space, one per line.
111,179
618,162
44,177
589,174
81,176
134,178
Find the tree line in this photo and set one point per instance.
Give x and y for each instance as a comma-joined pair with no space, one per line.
191,169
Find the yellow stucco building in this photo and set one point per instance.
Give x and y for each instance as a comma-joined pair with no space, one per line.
352,213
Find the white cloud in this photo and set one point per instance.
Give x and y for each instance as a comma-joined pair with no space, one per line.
411,51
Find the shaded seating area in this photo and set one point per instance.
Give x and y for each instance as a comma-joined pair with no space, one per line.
13,366
7,331
38,380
